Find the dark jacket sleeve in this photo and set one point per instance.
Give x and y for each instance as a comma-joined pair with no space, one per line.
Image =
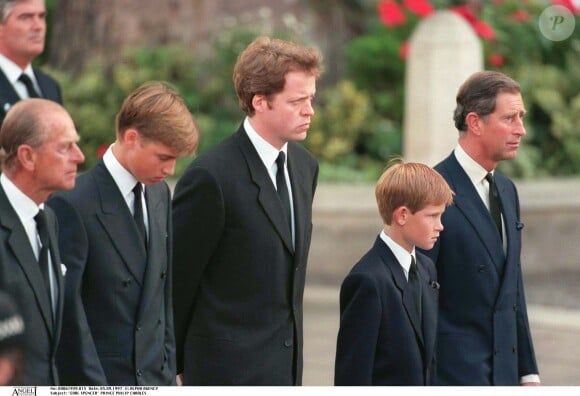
77,357
198,216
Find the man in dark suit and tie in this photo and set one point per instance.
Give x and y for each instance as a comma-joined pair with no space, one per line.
22,36
484,336
116,241
243,223
40,156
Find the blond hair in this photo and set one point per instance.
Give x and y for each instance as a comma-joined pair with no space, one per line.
412,185
160,115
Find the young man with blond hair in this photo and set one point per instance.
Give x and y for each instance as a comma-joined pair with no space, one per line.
116,240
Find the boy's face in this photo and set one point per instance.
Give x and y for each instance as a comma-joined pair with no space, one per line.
422,228
150,162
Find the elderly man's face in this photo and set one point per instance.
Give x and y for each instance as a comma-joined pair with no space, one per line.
56,160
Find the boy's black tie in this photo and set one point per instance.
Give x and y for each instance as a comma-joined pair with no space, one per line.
415,285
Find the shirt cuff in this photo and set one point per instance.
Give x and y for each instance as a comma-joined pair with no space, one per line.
530,378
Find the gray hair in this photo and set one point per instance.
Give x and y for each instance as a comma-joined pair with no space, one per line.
6,7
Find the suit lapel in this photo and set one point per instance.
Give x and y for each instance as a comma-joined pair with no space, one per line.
20,246
302,205
429,302
401,283
56,266
118,223
8,95
470,204
267,195
510,220
157,246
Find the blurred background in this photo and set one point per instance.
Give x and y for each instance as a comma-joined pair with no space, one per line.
101,50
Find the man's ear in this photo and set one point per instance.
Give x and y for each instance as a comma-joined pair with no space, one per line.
26,156
400,215
131,137
473,122
260,102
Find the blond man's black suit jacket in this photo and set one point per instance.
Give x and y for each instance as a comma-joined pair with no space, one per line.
238,279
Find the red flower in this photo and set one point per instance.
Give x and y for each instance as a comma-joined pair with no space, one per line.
483,30
419,7
572,5
404,50
101,150
465,12
496,60
520,16
391,13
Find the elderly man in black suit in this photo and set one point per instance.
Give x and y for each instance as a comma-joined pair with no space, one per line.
243,222
39,143
116,242
22,35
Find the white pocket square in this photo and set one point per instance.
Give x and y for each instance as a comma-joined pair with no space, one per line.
63,269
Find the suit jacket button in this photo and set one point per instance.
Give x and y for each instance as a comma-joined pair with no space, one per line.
481,268
138,373
514,349
138,327
288,343
163,274
126,282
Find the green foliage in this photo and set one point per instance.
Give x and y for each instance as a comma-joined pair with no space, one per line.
357,125
552,96
341,116
95,96
548,71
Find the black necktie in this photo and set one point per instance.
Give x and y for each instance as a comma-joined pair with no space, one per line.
415,285
138,212
282,187
42,229
29,86
494,203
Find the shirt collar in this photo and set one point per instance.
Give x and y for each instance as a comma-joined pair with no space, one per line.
402,255
124,180
475,172
13,71
24,207
266,151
